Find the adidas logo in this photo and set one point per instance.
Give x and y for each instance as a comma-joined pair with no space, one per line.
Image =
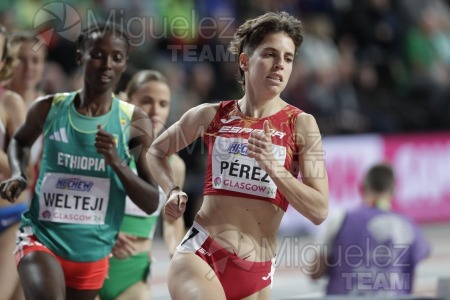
60,135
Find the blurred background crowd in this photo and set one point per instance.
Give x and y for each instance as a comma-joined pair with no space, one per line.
365,66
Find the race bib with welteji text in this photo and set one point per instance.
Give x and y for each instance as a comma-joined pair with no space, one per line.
233,170
74,199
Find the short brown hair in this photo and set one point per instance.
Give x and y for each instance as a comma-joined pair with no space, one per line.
250,34
379,179
142,77
21,36
25,36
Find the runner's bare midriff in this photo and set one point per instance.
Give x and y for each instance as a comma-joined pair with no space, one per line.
244,223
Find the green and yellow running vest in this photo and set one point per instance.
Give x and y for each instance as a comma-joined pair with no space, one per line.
79,200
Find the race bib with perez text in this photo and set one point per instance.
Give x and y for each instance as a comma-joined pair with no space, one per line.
233,170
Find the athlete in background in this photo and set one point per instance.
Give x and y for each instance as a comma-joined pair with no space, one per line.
130,265
12,115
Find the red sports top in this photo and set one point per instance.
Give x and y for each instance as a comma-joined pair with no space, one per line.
229,171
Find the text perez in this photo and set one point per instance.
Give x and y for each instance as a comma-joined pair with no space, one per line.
236,169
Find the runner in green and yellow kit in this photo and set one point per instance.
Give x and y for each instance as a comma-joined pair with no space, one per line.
89,138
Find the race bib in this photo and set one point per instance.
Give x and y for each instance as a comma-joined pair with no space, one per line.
233,170
73,199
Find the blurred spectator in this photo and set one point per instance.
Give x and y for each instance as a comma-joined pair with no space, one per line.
370,250
368,66
330,93
427,47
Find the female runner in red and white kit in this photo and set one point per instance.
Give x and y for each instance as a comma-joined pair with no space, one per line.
256,147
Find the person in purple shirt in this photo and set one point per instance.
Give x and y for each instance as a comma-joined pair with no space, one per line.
370,250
